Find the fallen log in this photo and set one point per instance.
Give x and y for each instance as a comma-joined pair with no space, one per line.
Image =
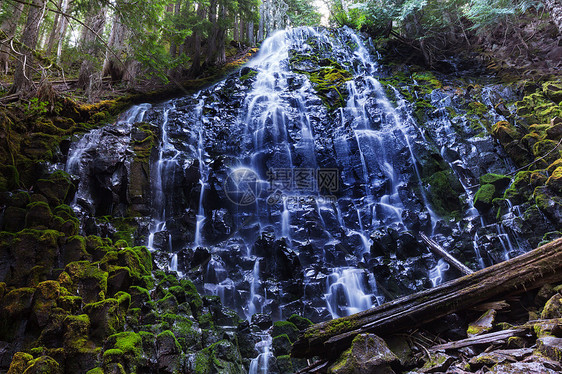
528,271
436,248
497,335
480,339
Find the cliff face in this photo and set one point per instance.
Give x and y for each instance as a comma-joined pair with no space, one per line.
169,239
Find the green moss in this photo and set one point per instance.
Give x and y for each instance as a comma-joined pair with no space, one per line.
281,345
300,322
328,79
128,342
548,150
554,182
96,371
444,193
285,328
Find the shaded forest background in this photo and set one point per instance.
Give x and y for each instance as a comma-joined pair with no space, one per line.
89,46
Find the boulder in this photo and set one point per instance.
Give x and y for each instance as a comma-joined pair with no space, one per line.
368,354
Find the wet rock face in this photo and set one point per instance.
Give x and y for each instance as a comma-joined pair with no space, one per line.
299,183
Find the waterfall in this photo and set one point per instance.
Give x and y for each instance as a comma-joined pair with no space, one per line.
299,183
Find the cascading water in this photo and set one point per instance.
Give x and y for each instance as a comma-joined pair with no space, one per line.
298,192
298,184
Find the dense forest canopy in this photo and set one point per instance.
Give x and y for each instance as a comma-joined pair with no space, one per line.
131,40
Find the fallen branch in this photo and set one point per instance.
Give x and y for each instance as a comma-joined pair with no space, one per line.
480,339
438,250
528,271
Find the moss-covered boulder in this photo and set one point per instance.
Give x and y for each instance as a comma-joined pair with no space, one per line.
107,316
444,193
368,354
20,362
553,307
85,279
285,328
14,219
484,197
549,202
548,151
554,182
58,188
35,253
553,90
281,345
483,324
505,132
168,352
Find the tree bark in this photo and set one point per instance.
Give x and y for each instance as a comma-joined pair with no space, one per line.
116,42
173,45
90,46
61,32
54,30
9,27
22,76
435,248
528,271
195,68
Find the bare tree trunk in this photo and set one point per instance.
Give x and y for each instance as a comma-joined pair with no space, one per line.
22,76
251,40
212,40
220,55
195,68
111,65
9,27
90,45
61,32
54,30
236,35
554,7
262,17
242,28
173,45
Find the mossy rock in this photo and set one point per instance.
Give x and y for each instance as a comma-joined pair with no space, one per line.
554,182
505,132
368,354
444,193
14,219
17,303
87,280
75,250
43,365
20,362
301,322
553,90
39,216
281,345
548,150
552,308
549,203
169,351
521,189
107,316
519,153
285,328
31,249
129,345
285,364
219,357
484,197
501,182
